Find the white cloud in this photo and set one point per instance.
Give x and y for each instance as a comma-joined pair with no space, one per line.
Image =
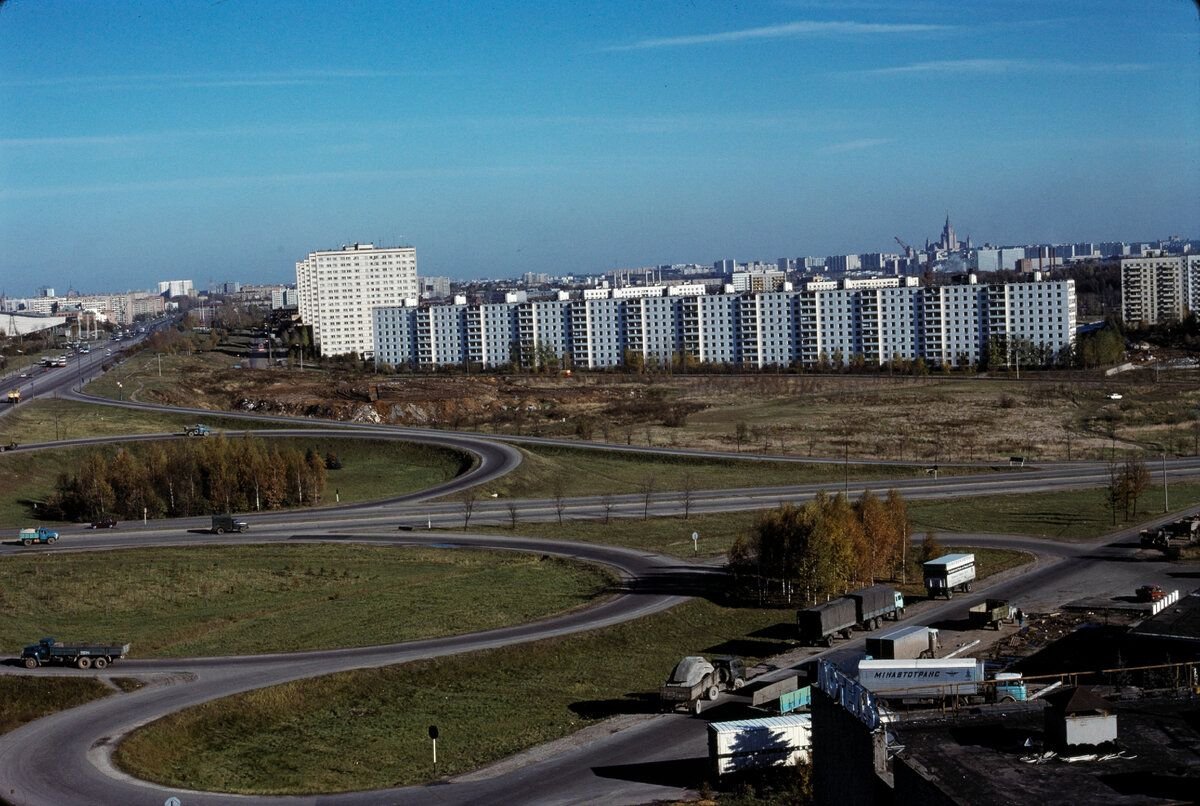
785,31
1002,67
854,145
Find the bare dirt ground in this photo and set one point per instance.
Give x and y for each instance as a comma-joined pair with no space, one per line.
930,419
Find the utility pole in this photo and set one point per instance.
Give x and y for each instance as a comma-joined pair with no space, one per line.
1166,499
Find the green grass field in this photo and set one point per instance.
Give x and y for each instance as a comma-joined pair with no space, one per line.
226,600
371,469
578,471
52,419
24,699
1065,515
367,729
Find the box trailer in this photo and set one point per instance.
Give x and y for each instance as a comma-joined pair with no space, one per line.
946,678
745,744
875,603
948,573
818,624
904,643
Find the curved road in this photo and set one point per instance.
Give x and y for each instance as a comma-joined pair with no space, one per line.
64,758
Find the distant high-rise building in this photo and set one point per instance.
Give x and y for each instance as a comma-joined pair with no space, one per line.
725,266
176,288
339,288
843,263
949,239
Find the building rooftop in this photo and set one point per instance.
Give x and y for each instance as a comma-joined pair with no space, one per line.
995,756
1179,622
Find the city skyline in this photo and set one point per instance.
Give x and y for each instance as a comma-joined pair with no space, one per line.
141,141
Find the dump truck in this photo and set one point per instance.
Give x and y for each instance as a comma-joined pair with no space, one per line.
227,523
921,680
818,624
197,430
991,613
39,535
696,679
875,603
774,741
948,573
904,643
84,656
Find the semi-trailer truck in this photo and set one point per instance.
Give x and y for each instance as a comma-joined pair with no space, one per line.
921,680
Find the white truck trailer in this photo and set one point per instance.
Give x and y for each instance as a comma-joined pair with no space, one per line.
921,680
775,741
949,572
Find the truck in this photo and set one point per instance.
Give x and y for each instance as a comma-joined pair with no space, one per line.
818,624
1171,537
14,397
48,651
904,643
774,741
695,679
875,603
991,613
197,430
227,523
39,535
922,680
949,572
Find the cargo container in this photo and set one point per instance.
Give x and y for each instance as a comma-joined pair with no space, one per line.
991,613
904,643
818,625
949,572
875,603
745,744
947,678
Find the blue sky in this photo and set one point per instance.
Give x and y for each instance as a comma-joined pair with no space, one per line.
223,140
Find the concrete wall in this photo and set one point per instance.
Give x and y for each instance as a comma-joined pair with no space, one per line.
849,762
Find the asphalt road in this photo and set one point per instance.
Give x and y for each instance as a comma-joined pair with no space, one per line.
65,758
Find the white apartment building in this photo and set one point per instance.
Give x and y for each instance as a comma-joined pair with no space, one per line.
955,325
176,288
1159,289
338,289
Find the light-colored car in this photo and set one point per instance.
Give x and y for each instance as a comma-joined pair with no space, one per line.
1114,395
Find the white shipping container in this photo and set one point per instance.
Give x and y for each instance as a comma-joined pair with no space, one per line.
752,743
921,677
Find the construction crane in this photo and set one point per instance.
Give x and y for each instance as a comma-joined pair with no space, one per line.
908,250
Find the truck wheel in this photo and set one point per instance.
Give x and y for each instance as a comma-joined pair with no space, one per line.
220,530
739,682
27,542
83,663
713,692
100,663
697,707
241,530
829,640
31,663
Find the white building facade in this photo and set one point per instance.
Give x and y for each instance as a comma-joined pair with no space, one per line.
1159,289
958,325
337,290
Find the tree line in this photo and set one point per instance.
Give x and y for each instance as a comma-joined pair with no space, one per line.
803,554
196,477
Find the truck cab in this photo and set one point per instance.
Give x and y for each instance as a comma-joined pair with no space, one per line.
1010,687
